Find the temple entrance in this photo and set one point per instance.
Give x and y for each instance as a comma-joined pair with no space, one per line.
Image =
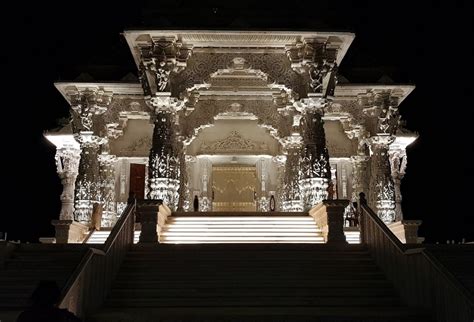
234,188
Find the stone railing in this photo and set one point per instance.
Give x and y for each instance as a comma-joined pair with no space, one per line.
329,216
420,278
87,288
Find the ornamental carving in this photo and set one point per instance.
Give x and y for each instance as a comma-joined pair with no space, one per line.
317,63
158,60
205,112
201,65
235,143
85,104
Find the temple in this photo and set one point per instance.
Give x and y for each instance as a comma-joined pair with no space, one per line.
245,121
238,178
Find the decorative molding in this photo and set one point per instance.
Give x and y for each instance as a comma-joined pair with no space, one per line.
234,143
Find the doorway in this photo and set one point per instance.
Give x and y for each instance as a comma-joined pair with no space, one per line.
234,188
137,180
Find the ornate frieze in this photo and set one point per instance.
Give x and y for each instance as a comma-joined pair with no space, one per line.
204,114
234,143
201,66
67,165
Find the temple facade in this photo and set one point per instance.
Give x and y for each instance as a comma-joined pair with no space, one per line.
244,121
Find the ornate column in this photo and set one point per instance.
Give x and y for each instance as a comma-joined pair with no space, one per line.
86,105
382,190
160,60
381,122
398,164
107,189
314,159
280,161
292,200
183,191
263,203
67,164
164,167
359,175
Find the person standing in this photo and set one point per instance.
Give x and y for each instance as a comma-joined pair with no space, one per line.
196,203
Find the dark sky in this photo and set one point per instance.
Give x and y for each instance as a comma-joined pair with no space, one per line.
429,45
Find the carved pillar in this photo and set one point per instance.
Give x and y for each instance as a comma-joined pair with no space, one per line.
398,164
293,200
87,104
163,167
359,176
382,190
67,164
159,60
314,159
88,181
183,191
263,203
280,161
107,189
204,202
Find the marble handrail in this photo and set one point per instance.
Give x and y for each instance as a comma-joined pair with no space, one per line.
421,280
87,287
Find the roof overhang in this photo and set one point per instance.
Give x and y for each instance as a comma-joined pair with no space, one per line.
115,88
238,40
349,91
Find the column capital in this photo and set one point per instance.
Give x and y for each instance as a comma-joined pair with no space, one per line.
318,61
158,59
85,103
382,140
164,103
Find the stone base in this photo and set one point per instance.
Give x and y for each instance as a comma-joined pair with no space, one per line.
70,231
406,231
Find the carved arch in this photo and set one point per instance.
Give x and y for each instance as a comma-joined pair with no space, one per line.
201,65
205,113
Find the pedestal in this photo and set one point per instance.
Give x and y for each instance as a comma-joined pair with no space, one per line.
69,231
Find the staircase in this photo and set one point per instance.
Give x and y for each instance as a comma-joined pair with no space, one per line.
240,228
258,282
29,264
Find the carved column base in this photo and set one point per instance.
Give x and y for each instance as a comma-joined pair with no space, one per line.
293,206
165,189
314,190
264,204
205,204
69,231
386,210
109,219
147,215
406,231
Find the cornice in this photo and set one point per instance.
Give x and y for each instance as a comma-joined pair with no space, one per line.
115,88
236,40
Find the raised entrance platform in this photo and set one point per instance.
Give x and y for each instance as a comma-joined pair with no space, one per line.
237,228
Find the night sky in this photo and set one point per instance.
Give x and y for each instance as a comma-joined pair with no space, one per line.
428,45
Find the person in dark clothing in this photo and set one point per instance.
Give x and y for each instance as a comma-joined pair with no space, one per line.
196,203
131,197
44,306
